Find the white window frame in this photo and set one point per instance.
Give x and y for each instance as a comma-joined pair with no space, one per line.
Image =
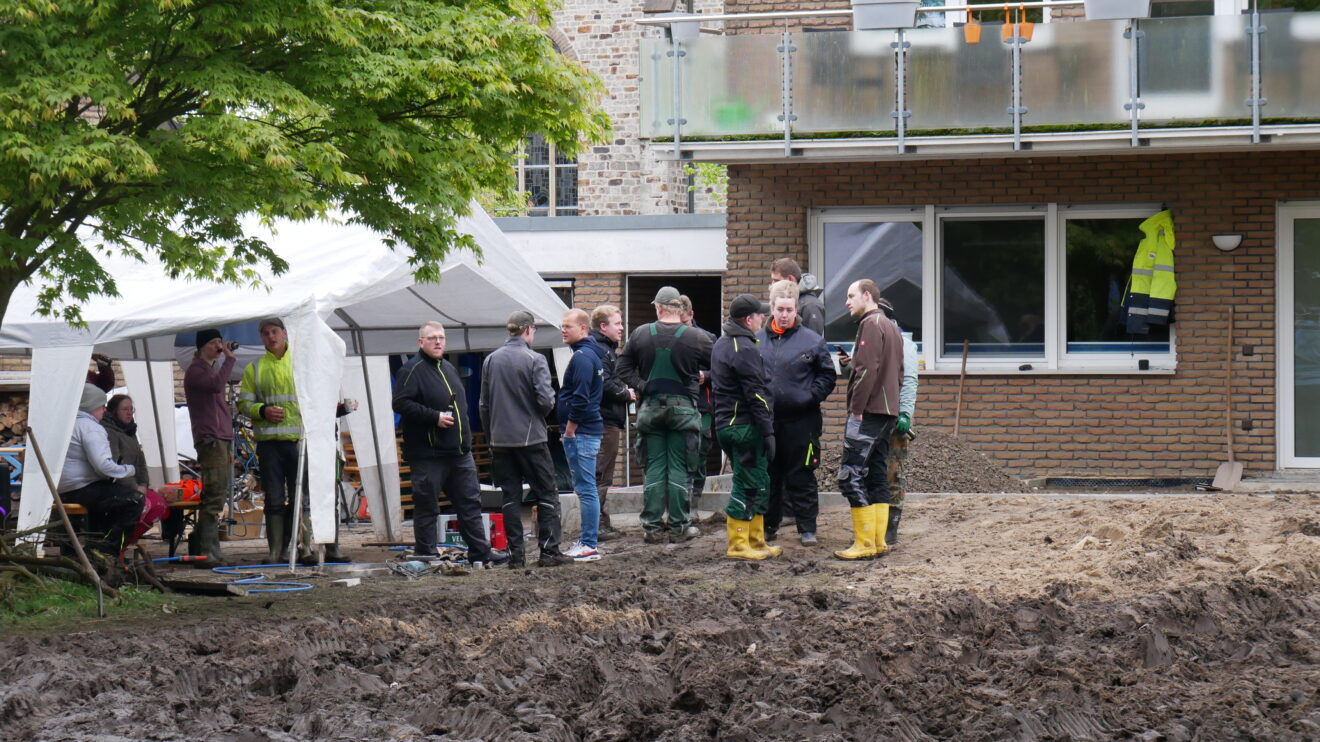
1056,361
520,175
1286,440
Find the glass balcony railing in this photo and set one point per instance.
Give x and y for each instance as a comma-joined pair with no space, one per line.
1194,71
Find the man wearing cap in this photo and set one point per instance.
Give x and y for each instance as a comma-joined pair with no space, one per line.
875,377
213,437
437,443
802,377
515,398
89,475
663,362
744,426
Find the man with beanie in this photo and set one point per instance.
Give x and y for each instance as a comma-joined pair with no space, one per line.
213,436
437,443
663,362
873,385
744,426
581,425
89,475
607,329
516,395
802,377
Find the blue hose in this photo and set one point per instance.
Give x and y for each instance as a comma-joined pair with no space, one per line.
284,587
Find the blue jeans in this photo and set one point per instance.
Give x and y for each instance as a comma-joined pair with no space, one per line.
581,451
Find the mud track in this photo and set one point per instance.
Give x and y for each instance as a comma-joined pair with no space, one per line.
996,618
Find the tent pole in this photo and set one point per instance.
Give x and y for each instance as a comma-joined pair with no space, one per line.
375,439
297,504
155,411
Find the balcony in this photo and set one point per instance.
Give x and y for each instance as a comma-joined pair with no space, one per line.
1087,87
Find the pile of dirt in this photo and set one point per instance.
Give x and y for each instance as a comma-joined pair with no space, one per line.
937,462
1174,619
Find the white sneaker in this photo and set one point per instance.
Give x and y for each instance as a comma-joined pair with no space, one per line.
575,550
580,552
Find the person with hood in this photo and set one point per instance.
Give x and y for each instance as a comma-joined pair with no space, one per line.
663,362
437,444
811,310
607,330
744,426
93,478
802,377
121,429
515,398
204,386
581,425
875,376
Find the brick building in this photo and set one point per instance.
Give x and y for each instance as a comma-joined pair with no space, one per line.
1015,231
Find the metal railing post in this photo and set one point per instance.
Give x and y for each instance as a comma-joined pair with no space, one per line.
1256,101
901,114
1016,109
1134,105
786,50
676,101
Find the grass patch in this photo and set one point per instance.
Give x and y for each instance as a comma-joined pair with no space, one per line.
60,602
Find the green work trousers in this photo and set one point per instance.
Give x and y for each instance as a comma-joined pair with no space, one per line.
669,426
216,463
750,494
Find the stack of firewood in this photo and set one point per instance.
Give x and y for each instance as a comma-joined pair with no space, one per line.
13,418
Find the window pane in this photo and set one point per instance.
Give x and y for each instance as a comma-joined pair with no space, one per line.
537,150
1099,263
537,186
888,253
566,188
993,291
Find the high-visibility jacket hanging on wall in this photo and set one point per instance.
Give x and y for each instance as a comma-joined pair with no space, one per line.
1149,297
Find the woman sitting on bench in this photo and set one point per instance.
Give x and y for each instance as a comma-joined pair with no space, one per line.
89,475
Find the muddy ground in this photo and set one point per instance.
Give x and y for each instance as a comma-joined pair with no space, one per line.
937,462
1011,617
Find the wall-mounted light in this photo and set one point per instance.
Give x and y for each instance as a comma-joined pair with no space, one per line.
1226,242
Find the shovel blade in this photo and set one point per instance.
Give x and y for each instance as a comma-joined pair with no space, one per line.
1228,475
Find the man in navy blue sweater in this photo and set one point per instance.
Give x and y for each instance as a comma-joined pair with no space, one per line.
582,426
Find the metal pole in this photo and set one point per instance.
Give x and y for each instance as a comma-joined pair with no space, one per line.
297,504
1016,109
786,50
155,413
1134,104
375,434
1256,101
676,101
901,114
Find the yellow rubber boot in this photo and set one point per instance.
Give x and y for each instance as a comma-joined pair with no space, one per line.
881,524
863,546
757,540
739,546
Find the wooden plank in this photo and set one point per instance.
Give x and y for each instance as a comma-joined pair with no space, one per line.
203,587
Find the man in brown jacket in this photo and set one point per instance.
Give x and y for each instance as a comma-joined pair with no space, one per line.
876,374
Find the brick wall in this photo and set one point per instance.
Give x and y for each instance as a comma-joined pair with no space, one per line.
1099,425
622,176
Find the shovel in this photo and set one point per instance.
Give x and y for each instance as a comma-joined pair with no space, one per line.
1230,472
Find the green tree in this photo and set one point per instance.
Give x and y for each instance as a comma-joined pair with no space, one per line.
156,125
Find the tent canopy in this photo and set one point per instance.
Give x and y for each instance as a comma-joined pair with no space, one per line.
344,287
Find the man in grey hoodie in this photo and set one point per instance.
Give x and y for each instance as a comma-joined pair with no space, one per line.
89,475
515,398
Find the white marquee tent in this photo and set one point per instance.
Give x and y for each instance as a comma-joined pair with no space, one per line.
345,290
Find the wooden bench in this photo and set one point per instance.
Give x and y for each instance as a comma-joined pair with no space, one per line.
352,473
186,509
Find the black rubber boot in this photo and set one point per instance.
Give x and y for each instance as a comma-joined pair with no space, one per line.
891,532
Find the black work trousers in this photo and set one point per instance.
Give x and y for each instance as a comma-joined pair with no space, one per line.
512,466
113,510
793,490
456,476
863,471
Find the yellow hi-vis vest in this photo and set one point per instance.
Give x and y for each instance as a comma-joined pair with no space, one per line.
269,381
1149,297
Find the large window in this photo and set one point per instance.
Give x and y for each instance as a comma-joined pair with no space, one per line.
548,178
1032,289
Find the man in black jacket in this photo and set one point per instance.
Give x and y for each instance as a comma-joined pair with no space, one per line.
437,443
802,377
707,438
663,361
607,329
744,426
515,398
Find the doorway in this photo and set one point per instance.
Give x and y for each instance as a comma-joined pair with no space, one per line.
1299,335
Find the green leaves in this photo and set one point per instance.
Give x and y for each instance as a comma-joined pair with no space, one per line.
160,124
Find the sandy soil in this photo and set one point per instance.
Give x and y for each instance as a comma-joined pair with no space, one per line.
1011,617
